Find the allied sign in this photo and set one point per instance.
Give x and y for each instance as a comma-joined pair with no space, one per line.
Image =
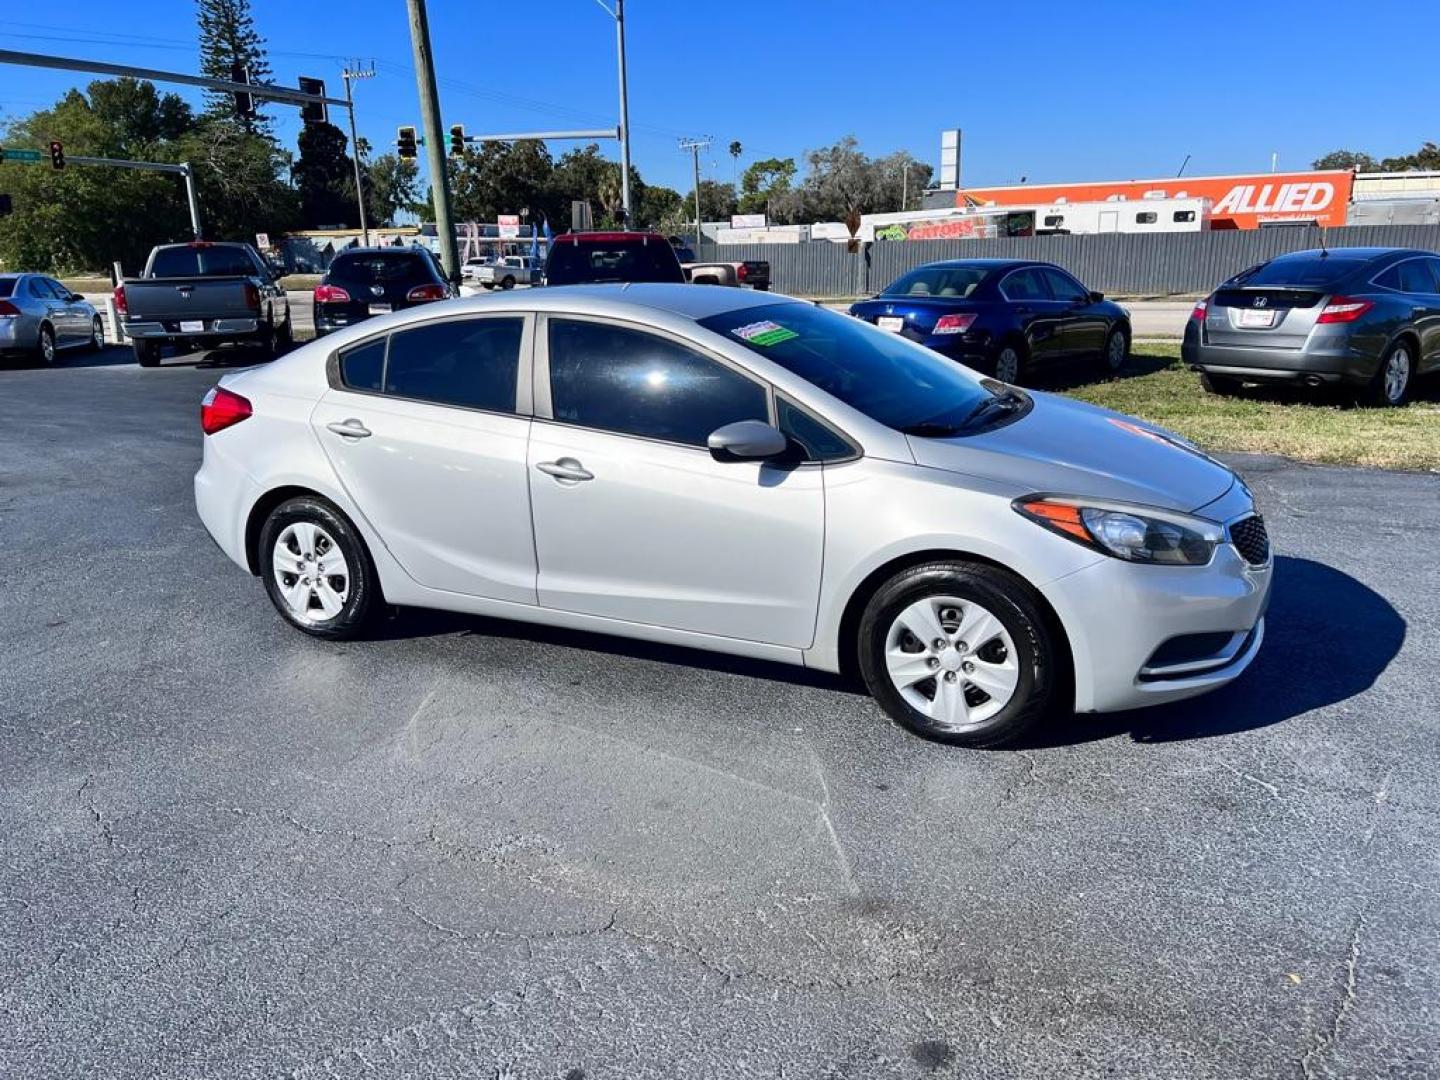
747,221
1237,202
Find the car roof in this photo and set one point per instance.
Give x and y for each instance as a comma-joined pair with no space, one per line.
689,301
609,237
1350,254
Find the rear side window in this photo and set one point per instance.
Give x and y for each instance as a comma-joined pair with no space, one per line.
617,260
363,367
634,383
1415,277
202,262
1025,284
378,269
472,363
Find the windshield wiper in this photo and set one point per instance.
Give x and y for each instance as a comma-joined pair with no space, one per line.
929,429
1007,400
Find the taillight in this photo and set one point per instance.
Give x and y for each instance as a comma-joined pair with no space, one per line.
252,297
426,292
331,294
1200,309
1342,309
8,310
222,408
741,273
122,306
953,324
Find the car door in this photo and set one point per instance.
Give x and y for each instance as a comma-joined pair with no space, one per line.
1039,315
51,297
1084,325
71,319
635,520
1427,315
427,428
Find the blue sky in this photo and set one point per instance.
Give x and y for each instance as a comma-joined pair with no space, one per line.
1050,91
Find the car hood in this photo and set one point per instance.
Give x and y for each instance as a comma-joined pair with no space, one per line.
1066,447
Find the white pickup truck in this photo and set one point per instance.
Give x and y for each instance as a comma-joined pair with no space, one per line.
507,272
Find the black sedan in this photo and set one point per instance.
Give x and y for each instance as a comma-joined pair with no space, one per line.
376,281
1004,316
1366,318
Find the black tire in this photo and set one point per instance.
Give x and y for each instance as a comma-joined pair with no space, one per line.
507,283
45,346
285,336
269,340
97,334
1113,358
1381,392
362,593
147,353
1012,603
1001,365
1220,385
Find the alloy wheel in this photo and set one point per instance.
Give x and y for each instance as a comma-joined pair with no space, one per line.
951,660
1397,375
1007,365
1115,352
47,345
97,333
312,573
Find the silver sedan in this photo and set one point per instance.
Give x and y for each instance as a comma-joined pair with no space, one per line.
41,317
743,473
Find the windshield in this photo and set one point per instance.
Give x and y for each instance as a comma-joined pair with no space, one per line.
1305,270
200,261
894,381
953,281
612,260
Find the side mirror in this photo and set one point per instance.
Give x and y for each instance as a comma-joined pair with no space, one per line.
1096,297
747,440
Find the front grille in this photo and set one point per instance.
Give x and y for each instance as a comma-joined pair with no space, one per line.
1251,540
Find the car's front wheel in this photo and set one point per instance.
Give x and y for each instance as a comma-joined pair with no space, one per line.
317,571
1117,351
959,652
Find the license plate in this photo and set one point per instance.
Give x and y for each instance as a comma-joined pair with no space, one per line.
381,309
1257,319
192,326
889,322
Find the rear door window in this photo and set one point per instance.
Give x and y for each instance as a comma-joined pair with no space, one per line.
1063,286
40,289
1415,276
1025,284
472,363
633,383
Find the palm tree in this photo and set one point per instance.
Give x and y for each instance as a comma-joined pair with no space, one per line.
735,151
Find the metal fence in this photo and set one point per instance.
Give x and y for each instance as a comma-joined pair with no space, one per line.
1122,264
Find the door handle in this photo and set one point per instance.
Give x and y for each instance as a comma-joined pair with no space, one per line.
567,468
350,428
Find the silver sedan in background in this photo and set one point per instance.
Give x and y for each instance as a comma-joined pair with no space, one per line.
743,473
41,317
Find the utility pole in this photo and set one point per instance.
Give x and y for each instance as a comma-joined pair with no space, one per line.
695,146
905,188
434,141
349,74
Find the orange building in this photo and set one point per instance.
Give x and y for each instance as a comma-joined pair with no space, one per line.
1239,202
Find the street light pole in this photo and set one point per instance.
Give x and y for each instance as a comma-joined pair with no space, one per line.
348,74
434,141
624,114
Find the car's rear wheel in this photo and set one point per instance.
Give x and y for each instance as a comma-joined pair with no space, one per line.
1010,362
46,346
97,334
960,653
147,353
1219,384
317,571
1391,385
1117,351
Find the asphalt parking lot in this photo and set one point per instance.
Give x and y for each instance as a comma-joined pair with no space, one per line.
482,850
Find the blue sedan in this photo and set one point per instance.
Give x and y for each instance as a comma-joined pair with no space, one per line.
41,317
1004,316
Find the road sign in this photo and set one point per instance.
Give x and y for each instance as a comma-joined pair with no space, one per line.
262,241
22,155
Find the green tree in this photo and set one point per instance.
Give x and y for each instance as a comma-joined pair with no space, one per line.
392,188
500,178
240,181
228,37
763,182
659,208
324,178
1344,159
1426,159
86,217
717,202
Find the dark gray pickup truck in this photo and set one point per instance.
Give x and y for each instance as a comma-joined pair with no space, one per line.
200,295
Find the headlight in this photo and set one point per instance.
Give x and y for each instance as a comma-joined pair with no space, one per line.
1141,534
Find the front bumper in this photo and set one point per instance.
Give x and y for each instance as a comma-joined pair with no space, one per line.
1325,358
1118,614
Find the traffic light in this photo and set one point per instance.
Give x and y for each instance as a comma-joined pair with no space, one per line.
405,142
57,153
313,112
244,103
457,139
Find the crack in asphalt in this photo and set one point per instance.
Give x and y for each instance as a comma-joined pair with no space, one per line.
1346,1005
95,813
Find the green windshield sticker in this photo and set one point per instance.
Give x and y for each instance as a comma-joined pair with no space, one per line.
764,332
